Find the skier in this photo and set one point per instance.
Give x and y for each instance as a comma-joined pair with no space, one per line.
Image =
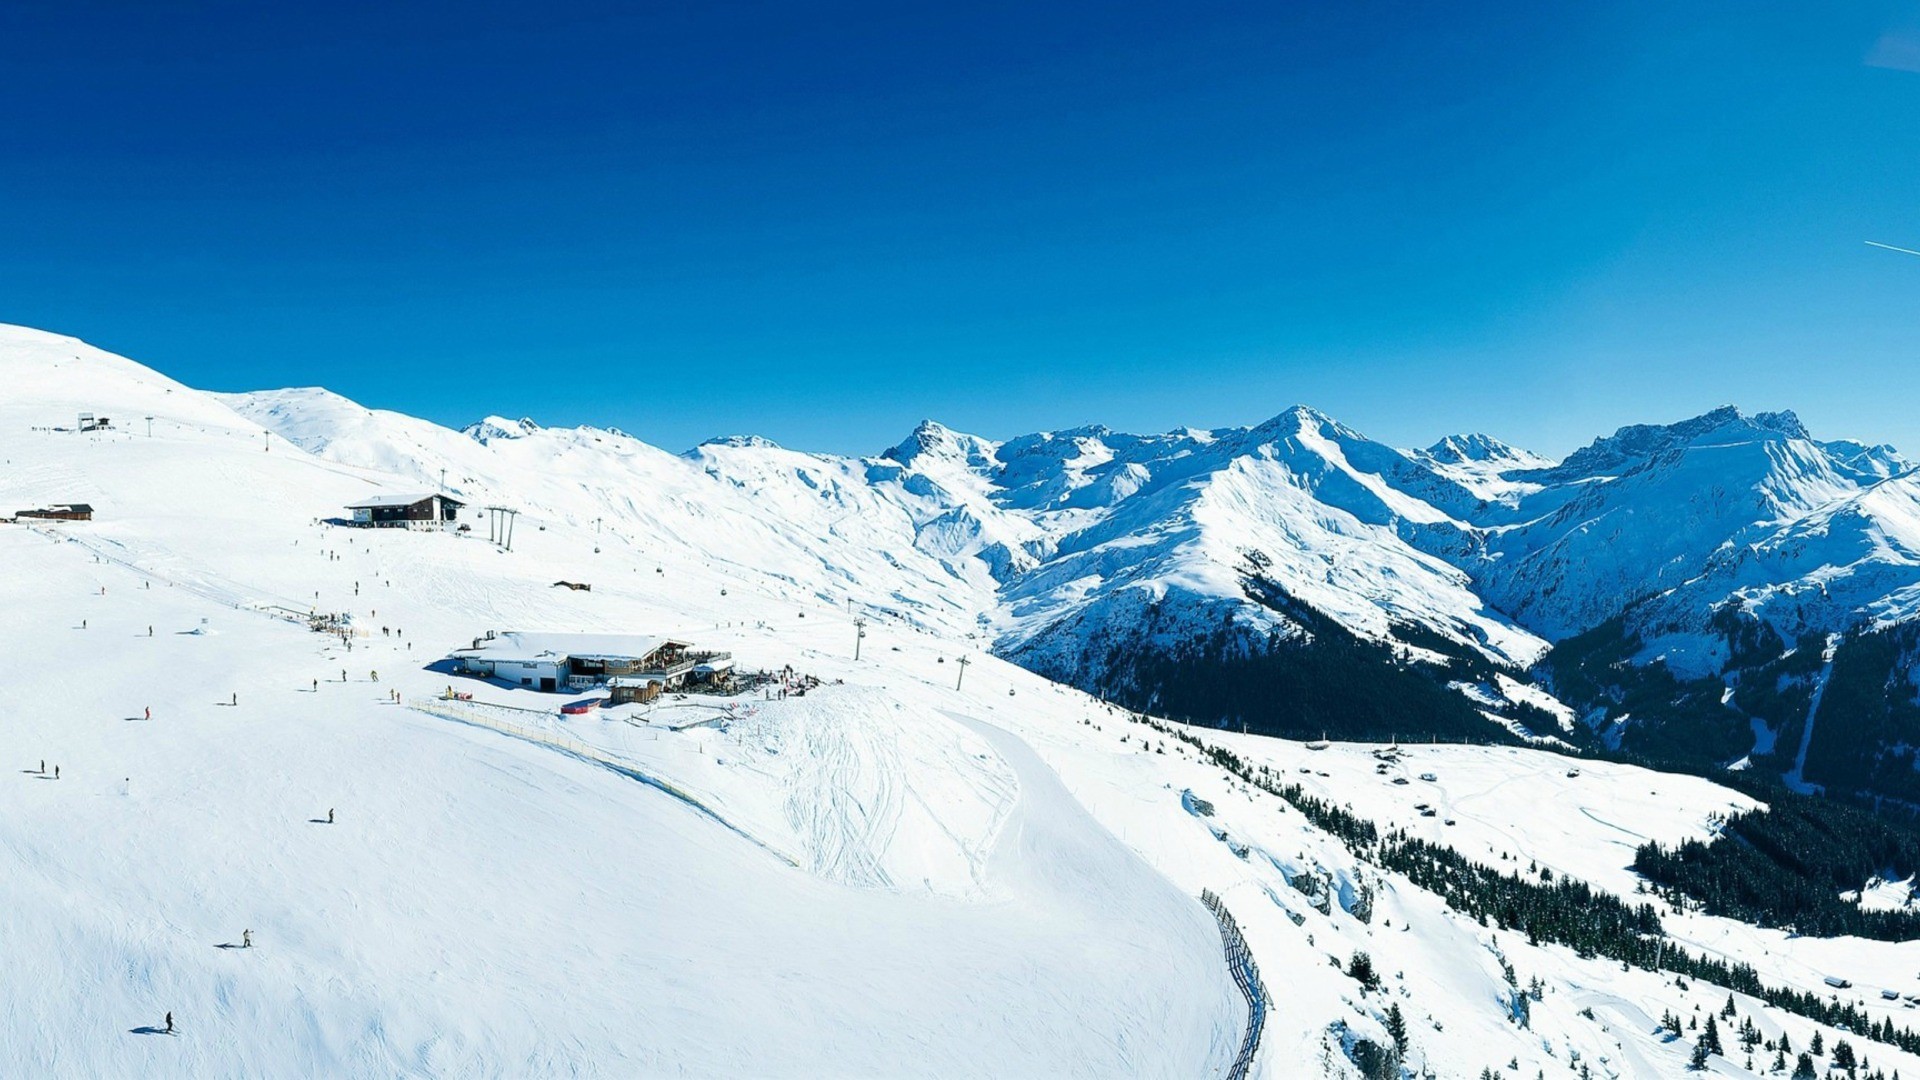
149,712
246,939
43,766
169,1023
235,700
56,772
149,631
316,686
375,675
329,815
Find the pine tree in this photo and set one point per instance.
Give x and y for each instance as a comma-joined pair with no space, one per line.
1804,1070
1710,1038
1698,1062
1727,1010
1817,1047
1397,1027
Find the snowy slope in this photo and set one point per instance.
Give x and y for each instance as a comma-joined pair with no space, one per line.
485,905
890,876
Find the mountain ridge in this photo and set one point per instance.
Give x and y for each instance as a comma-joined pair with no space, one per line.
1713,546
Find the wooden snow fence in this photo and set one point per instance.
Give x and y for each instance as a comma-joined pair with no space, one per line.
1246,975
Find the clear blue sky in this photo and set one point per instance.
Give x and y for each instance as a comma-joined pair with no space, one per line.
821,223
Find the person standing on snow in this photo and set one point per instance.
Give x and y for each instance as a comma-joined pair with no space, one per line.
149,712
329,815
169,1023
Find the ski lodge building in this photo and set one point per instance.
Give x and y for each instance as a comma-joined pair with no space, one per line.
405,511
628,662
59,512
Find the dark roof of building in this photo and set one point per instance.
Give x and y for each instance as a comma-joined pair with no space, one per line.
382,502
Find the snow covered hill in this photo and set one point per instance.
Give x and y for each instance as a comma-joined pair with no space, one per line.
1141,566
916,868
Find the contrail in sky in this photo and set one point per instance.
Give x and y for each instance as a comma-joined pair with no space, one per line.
1890,247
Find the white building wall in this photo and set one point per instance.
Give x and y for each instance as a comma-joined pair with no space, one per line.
530,672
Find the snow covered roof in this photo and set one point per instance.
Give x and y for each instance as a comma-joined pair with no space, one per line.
378,502
525,645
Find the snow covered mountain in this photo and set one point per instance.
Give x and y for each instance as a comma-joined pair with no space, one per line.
301,849
1079,553
1142,566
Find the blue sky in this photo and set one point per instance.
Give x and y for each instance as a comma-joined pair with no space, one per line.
823,222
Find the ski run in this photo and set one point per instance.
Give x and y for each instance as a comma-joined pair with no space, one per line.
270,851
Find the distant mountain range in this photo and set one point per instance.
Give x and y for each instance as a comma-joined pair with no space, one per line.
1707,592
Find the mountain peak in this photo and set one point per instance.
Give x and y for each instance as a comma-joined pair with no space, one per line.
1478,447
930,438
757,442
1637,442
496,427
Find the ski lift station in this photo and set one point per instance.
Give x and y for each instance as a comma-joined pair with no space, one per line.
556,661
434,511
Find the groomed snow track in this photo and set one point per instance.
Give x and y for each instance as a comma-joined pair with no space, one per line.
1246,975
578,749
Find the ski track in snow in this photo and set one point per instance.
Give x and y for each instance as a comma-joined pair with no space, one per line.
846,833
1796,777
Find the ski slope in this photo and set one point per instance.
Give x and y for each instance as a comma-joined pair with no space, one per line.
485,905
889,876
